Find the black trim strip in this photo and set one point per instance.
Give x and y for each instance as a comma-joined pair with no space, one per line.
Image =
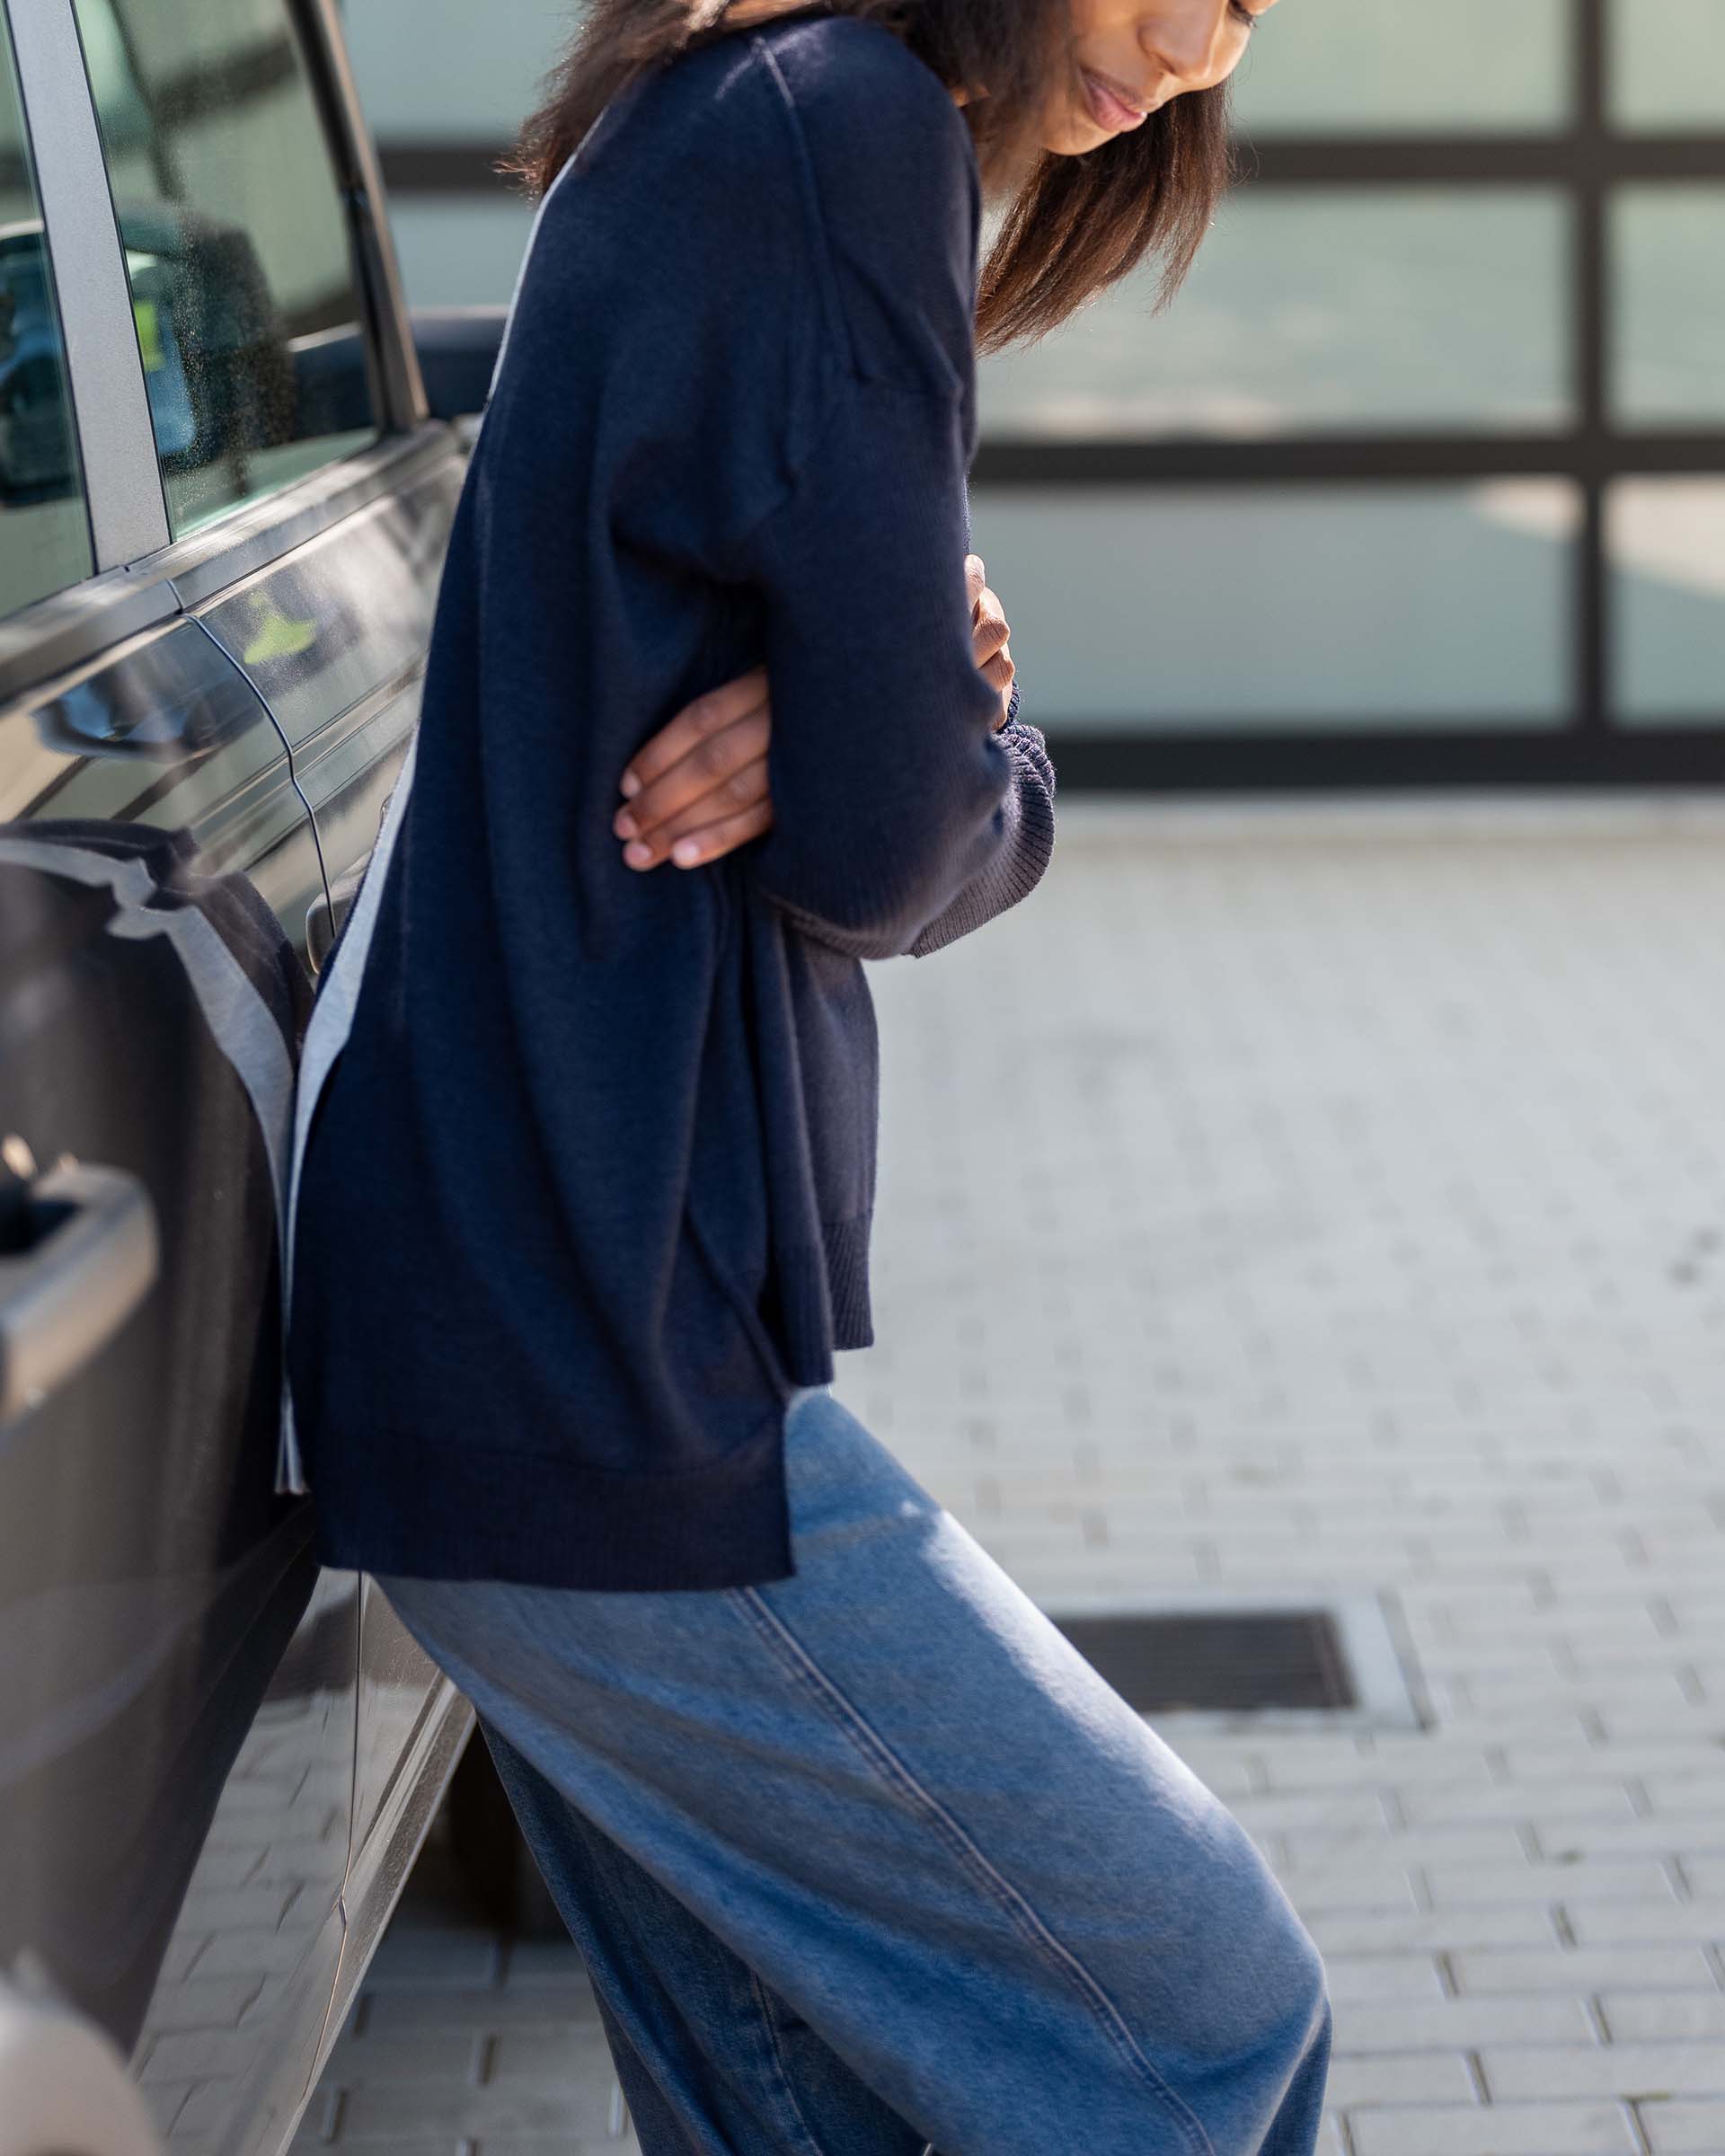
442,168
459,167
1321,460
1243,762
1591,329
1481,161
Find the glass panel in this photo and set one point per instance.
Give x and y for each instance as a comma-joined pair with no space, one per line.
44,529
1668,287
1323,309
457,254
1666,544
248,316
1387,67
1667,66
1305,608
445,69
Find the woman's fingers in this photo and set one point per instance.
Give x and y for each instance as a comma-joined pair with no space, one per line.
697,762
989,632
693,848
989,629
692,836
739,792
696,722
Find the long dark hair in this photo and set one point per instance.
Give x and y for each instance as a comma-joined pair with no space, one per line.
1071,225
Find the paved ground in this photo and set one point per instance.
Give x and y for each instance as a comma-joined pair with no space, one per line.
1305,1198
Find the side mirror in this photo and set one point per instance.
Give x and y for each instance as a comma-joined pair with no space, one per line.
457,348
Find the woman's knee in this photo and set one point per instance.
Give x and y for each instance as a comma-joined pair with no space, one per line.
1300,1973
1260,1978
1290,1976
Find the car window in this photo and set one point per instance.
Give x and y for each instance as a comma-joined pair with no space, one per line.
237,245
44,528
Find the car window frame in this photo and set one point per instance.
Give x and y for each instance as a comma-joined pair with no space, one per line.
400,390
121,468
142,575
118,469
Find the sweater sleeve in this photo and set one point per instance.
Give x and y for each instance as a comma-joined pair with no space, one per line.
881,829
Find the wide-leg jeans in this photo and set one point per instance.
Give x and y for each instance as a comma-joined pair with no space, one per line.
869,1858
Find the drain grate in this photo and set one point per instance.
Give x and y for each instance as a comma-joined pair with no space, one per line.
1231,1662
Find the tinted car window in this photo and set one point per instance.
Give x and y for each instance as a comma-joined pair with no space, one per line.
44,530
237,245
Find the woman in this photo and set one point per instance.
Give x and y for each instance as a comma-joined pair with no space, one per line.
861,1855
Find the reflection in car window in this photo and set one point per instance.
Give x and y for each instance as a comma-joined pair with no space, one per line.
44,529
249,318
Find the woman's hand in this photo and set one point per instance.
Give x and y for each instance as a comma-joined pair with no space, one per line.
699,788
989,631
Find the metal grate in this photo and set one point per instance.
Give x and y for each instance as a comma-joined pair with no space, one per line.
1228,1662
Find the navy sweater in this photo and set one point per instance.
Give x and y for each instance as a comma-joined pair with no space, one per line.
588,1193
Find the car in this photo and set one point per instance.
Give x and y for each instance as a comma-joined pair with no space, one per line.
225,497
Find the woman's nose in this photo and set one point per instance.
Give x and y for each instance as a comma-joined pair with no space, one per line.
1186,50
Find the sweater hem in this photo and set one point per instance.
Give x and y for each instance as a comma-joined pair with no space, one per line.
427,1509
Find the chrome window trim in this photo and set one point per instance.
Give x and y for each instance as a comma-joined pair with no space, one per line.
43,640
255,534
111,406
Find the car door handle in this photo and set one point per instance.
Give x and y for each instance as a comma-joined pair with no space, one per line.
325,915
92,1255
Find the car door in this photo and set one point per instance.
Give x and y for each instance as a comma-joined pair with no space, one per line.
203,390
176,1684
247,197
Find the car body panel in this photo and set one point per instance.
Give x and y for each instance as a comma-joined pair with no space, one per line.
334,636
229,2044
151,1581
215,1760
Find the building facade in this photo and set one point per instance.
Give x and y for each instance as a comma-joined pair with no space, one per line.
1423,477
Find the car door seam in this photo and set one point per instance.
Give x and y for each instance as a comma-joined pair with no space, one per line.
286,749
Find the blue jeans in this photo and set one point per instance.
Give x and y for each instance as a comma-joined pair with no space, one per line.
871,1857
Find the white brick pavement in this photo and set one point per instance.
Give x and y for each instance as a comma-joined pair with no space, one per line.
1316,1196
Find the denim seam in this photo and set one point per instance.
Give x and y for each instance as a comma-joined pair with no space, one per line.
785,2086
1014,1904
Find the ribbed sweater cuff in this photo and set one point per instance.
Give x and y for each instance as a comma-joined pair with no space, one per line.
1025,850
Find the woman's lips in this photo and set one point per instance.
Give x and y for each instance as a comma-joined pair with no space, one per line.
1108,108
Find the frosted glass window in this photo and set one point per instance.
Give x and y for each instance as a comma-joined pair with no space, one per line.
459,251
1322,310
1667,66
1303,609
1667,544
1388,66
1668,284
432,69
